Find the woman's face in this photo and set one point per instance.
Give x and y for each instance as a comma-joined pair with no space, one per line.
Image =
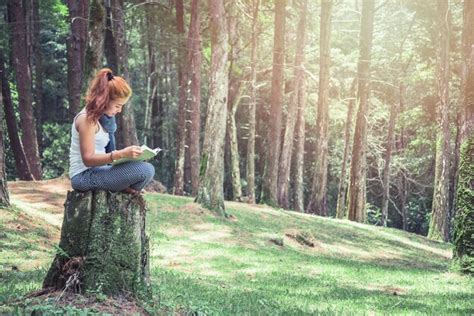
115,106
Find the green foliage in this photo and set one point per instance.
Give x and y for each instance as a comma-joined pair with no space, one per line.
374,214
56,142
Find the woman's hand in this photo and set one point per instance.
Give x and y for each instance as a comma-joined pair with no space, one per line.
130,152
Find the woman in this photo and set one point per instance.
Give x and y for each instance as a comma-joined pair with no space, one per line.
93,130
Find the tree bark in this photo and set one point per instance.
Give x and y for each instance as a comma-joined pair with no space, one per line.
194,61
252,107
76,52
342,187
318,196
464,220
183,87
103,245
270,179
439,224
23,78
21,163
210,193
357,190
4,197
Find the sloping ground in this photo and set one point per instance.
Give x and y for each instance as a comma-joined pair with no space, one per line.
261,261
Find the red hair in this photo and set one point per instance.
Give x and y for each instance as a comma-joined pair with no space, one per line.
102,89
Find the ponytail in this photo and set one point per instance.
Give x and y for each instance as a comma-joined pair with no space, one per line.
103,88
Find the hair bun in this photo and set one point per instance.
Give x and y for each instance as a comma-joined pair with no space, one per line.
110,76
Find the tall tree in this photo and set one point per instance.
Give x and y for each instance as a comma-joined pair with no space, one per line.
300,140
210,193
439,224
38,69
194,62
236,89
23,78
464,220
288,140
318,196
357,190
342,187
116,51
152,76
76,51
270,180
21,163
183,87
4,197
252,106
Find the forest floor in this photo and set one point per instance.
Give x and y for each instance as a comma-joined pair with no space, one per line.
260,261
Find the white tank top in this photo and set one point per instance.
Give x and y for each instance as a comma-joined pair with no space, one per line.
76,165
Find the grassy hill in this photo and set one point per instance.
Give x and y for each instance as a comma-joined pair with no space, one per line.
260,261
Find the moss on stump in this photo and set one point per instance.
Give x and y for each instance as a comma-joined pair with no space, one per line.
103,246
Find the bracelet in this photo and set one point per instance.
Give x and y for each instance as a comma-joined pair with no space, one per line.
111,157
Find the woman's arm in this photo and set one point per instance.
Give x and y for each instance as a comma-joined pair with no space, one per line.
87,130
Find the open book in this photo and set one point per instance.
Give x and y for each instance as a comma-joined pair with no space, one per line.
147,153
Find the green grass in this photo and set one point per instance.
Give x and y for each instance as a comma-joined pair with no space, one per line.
206,265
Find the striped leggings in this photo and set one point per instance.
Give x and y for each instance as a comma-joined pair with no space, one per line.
134,174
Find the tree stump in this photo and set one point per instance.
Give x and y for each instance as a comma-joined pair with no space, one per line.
103,246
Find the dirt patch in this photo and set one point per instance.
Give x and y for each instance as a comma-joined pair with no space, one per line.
48,195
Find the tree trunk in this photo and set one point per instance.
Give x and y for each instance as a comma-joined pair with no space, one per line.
236,90
342,187
76,52
194,45
357,190
234,100
4,197
38,70
270,179
252,107
318,196
183,87
288,140
103,245
439,225
95,44
23,78
116,52
300,138
127,131
21,164
210,193
464,220
388,154
152,75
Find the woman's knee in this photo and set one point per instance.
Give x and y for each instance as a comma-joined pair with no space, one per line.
149,170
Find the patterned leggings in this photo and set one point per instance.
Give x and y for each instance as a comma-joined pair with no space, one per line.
134,174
